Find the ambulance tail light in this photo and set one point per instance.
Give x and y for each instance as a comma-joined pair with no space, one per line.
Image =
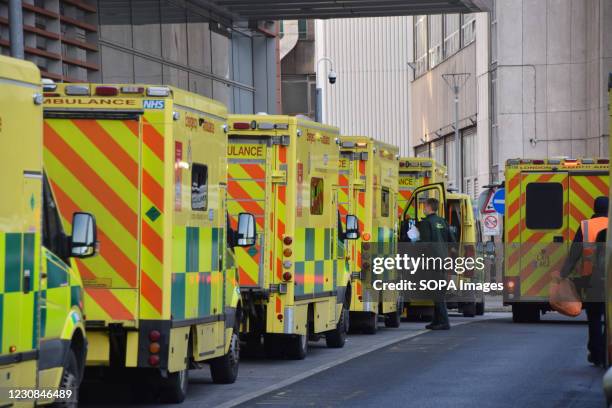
154,348
603,161
132,90
287,276
402,164
366,236
77,90
241,125
154,360
537,162
287,240
107,91
512,287
158,91
287,252
154,335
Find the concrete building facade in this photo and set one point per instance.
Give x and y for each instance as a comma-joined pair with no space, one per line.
537,85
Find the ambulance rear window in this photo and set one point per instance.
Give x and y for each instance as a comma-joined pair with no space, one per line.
544,206
199,187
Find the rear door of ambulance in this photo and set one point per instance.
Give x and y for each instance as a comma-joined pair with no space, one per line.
537,218
93,161
251,160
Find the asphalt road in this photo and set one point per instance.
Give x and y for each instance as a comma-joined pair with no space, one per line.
489,363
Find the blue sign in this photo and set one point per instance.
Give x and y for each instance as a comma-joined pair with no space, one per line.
499,201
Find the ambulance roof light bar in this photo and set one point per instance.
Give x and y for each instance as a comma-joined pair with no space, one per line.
48,85
105,90
158,91
78,90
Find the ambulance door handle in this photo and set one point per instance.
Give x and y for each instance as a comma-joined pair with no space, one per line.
558,238
27,277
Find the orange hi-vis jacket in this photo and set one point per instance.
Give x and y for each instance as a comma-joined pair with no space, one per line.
590,229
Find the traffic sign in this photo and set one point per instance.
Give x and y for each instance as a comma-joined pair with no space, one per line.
491,226
499,200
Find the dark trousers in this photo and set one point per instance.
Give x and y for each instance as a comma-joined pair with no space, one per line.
440,315
597,337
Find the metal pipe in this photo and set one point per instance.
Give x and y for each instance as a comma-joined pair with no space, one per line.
458,182
319,91
16,28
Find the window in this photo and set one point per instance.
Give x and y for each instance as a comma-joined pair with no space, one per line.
468,29
302,29
316,196
53,236
420,44
385,204
451,34
544,206
434,26
199,187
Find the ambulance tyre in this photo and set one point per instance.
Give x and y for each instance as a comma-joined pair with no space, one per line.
296,346
469,309
337,337
480,308
393,319
224,369
70,379
173,388
370,323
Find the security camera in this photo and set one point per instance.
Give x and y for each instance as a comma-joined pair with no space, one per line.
332,76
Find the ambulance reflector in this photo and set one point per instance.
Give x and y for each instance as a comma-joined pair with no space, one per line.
107,91
158,91
77,90
132,89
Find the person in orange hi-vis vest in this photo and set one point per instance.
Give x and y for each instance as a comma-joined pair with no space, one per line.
587,248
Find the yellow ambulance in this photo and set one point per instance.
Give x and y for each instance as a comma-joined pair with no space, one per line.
371,188
150,162
284,170
415,172
545,201
42,335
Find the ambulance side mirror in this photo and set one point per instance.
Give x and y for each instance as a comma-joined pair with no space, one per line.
84,239
352,227
247,230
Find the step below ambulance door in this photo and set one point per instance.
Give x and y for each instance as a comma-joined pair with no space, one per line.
543,230
414,211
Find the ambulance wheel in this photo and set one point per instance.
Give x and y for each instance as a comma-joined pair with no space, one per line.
173,388
337,337
224,369
370,323
296,346
393,319
480,308
469,309
70,379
